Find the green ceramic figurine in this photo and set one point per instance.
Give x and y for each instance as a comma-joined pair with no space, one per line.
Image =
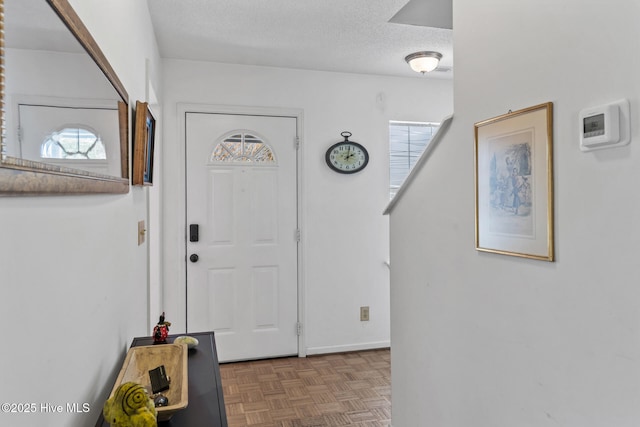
130,406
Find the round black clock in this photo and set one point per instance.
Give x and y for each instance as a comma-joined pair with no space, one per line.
347,156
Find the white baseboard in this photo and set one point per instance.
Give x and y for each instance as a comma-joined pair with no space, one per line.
349,347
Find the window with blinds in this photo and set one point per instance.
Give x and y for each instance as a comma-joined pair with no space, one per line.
407,141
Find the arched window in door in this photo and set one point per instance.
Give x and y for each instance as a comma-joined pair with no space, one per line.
243,147
73,142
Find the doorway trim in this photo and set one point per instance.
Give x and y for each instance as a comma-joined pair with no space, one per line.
298,114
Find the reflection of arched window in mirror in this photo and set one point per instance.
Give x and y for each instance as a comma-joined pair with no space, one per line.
74,127
70,143
39,65
243,147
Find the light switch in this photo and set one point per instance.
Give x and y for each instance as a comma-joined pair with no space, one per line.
141,232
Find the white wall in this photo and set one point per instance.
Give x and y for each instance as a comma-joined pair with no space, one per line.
74,288
344,235
123,30
490,340
59,79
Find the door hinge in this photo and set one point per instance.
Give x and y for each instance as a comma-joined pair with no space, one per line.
297,142
20,132
297,235
299,328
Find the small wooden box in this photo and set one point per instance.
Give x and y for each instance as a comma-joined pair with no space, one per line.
140,360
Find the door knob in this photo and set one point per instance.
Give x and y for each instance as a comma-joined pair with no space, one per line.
194,257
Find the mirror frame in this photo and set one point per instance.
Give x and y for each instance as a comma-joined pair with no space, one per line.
20,177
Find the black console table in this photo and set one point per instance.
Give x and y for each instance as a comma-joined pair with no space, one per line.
206,403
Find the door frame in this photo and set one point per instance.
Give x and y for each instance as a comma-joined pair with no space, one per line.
298,114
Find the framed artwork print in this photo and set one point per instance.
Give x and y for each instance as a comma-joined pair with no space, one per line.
143,145
514,183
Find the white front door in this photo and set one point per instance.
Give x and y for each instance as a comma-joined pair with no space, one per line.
241,176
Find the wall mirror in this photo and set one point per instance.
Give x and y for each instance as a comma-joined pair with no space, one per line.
64,110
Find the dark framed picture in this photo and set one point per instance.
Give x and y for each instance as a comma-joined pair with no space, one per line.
143,145
514,183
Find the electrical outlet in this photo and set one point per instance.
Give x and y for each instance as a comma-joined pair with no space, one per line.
364,314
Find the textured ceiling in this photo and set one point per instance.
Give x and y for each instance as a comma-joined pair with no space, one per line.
352,36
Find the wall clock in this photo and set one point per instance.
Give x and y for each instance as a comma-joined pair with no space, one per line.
347,156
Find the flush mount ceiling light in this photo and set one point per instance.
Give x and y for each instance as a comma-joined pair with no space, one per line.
423,62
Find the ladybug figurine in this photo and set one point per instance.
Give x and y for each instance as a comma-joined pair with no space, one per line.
161,331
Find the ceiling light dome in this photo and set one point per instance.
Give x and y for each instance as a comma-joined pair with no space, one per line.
423,62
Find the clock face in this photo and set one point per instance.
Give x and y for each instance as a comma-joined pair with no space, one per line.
347,157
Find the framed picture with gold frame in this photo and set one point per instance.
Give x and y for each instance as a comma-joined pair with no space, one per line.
143,145
514,183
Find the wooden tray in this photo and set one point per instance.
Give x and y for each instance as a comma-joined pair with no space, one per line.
140,360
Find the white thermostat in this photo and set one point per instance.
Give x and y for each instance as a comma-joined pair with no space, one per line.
605,126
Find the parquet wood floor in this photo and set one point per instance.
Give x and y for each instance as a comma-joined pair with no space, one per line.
345,389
